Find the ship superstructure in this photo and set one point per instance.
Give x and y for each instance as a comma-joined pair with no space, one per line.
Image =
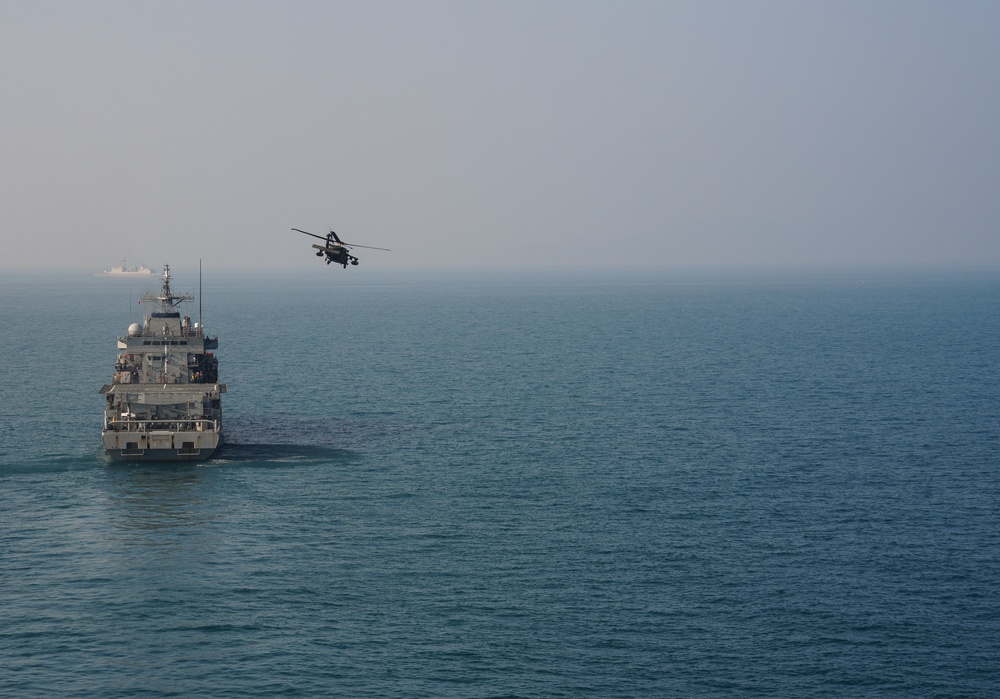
123,271
164,402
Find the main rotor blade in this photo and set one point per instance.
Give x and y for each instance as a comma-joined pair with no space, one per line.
353,245
321,237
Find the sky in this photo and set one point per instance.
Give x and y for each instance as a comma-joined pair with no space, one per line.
478,135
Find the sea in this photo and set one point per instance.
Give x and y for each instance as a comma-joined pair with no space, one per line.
652,483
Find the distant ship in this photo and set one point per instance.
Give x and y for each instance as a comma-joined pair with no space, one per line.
123,271
164,401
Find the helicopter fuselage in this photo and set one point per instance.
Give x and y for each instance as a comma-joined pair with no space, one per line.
336,253
335,249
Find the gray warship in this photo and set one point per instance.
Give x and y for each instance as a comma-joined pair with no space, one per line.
164,402
123,271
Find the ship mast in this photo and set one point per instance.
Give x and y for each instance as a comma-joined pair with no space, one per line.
167,299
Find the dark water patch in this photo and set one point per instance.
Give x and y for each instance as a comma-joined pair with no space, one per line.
304,429
35,463
279,454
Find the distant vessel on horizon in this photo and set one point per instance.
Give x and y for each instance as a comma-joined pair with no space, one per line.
123,271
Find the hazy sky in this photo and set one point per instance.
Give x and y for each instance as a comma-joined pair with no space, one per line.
487,134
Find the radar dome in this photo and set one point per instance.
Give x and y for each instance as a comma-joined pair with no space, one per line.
134,330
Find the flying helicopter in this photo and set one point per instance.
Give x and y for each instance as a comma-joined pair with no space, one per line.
336,250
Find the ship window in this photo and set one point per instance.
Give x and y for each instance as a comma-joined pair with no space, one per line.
147,342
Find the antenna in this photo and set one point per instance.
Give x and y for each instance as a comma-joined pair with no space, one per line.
200,324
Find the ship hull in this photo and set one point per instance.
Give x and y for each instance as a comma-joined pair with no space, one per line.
161,445
162,455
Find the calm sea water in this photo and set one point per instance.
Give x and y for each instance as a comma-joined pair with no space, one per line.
516,486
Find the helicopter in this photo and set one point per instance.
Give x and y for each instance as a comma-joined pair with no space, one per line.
336,250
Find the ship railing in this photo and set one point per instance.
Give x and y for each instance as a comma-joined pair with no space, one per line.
185,332
184,425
